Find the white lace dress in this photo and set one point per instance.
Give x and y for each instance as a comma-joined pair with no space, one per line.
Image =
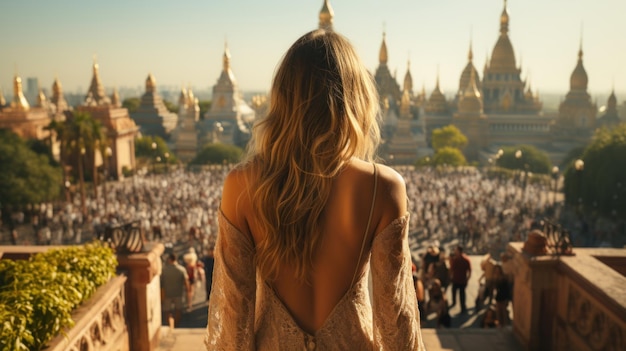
246,314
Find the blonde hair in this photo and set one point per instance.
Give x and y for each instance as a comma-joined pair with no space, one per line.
323,111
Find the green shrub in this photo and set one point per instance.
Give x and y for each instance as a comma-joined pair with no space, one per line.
37,296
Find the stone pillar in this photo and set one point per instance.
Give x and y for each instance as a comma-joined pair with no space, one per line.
143,296
534,297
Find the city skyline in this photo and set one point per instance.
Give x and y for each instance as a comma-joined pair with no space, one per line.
183,43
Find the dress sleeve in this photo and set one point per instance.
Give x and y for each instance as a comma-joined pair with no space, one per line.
396,315
232,302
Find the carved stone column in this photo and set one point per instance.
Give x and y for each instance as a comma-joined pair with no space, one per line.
143,297
534,297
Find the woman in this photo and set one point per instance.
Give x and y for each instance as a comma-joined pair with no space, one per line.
503,295
306,210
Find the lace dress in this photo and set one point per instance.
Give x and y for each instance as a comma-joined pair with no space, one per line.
246,314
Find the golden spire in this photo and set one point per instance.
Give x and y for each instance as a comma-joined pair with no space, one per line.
182,99
471,102
408,79
504,20
3,101
96,95
470,54
115,98
42,100
382,57
19,101
226,59
326,16
57,88
437,84
579,79
150,84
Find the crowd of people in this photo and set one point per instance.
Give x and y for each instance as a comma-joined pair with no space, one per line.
450,209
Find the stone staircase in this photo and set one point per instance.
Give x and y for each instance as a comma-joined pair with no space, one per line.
469,339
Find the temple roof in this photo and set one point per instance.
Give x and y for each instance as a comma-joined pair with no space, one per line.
468,71
579,79
408,79
96,95
471,100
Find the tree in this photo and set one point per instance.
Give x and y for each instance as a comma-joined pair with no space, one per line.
84,137
448,156
531,159
144,150
132,104
448,136
601,181
170,106
218,153
204,106
25,176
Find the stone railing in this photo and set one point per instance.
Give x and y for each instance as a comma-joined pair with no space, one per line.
575,302
100,322
130,320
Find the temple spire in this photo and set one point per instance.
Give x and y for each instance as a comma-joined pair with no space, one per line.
3,101
504,20
19,101
226,58
326,16
382,57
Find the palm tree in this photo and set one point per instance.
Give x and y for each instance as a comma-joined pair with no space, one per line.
84,134
58,129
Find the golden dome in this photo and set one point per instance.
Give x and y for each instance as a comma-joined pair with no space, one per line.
19,101
471,100
503,56
468,71
437,97
408,79
326,16
150,84
579,79
382,57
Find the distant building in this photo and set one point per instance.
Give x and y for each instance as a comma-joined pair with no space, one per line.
229,120
184,140
152,116
326,16
121,130
499,110
18,116
611,114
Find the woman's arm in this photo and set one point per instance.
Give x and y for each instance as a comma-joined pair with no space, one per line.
232,301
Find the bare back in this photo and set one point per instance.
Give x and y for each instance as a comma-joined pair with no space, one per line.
344,224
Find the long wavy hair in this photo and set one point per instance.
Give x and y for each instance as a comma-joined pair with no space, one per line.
323,111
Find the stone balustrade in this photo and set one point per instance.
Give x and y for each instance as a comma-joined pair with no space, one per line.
100,323
575,302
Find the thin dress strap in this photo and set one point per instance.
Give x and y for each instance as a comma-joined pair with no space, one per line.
369,222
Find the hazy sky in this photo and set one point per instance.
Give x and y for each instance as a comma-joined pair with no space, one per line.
182,41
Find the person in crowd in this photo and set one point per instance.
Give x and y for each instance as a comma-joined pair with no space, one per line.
420,293
174,285
503,295
311,213
438,303
490,319
209,262
191,266
461,271
440,270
